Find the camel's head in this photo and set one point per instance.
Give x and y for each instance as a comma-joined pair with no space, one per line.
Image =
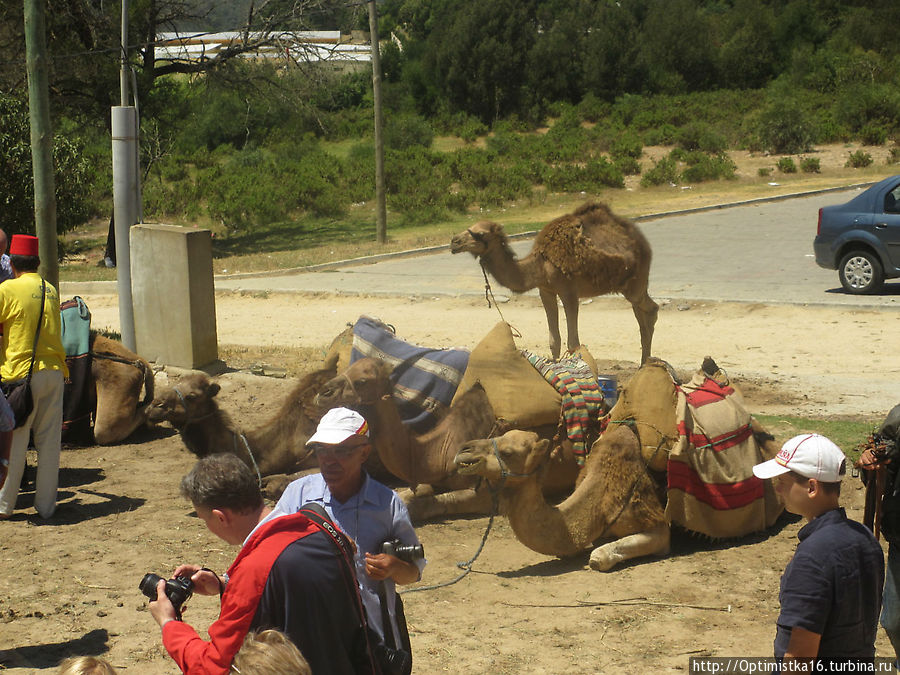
190,399
478,239
363,383
513,457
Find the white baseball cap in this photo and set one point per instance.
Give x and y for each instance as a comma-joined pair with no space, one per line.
810,455
337,425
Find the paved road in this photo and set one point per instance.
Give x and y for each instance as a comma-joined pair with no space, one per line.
760,252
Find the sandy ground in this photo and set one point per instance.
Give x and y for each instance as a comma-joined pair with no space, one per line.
69,586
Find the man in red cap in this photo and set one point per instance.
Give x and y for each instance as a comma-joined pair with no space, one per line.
20,314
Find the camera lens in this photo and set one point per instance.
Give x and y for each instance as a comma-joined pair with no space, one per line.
148,585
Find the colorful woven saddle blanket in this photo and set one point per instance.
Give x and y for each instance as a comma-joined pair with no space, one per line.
424,379
582,398
711,486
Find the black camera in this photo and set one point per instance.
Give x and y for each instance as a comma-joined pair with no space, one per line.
178,590
406,553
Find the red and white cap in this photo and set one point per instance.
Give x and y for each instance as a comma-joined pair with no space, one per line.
337,425
810,455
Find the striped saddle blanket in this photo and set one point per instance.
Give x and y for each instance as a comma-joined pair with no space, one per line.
582,398
711,486
424,379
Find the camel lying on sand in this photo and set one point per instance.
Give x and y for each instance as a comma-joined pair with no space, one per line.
580,255
619,494
119,376
426,459
615,497
276,447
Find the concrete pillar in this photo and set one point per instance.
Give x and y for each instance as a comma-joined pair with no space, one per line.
174,295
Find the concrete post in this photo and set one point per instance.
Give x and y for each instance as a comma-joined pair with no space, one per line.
124,170
174,295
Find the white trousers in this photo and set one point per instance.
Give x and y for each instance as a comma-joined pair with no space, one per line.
46,423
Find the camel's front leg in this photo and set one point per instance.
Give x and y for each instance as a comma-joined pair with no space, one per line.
652,542
570,307
645,311
548,298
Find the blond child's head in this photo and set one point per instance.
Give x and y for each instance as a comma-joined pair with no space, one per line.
269,652
85,665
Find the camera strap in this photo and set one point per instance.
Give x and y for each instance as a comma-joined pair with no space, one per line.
317,514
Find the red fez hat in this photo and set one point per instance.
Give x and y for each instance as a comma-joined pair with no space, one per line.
23,244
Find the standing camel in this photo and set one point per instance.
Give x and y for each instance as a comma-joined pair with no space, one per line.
584,254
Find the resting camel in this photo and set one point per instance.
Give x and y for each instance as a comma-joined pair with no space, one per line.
615,497
278,446
119,376
584,254
620,490
427,459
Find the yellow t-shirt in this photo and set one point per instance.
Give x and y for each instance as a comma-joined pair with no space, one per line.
20,302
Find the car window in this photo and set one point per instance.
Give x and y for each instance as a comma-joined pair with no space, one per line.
892,200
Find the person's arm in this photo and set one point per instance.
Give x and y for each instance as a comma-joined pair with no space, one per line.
384,566
803,646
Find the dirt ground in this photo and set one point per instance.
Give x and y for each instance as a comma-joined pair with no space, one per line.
70,585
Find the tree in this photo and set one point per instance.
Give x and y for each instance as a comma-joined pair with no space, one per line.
72,172
479,56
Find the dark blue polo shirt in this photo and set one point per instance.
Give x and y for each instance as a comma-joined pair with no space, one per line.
832,586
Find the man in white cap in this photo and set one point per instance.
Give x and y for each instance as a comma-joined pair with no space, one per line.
831,589
366,511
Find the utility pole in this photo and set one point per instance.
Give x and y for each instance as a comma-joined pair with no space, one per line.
125,188
380,208
41,139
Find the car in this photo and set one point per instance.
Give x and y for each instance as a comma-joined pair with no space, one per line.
861,239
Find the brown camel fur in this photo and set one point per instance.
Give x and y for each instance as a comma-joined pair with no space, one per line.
427,459
119,376
616,498
278,446
584,254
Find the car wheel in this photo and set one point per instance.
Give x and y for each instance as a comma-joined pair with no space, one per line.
860,272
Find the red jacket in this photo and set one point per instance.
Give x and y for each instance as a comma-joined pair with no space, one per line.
248,576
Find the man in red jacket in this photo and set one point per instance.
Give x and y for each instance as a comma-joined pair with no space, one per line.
286,576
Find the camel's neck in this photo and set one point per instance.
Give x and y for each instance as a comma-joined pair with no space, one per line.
209,434
516,275
552,530
414,459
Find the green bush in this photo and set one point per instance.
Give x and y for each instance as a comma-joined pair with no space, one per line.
786,128
810,164
697,136
858,160
893,156
75,177
662,135
764,171
591,177
627,144
873,134
786,165
629,166
406,131
663,171
702,166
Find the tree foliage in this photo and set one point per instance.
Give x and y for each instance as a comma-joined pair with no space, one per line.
72,174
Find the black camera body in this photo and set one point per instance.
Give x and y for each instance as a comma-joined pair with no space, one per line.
178,590
405,553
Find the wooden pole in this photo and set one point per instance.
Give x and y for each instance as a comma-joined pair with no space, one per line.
380,207
41,139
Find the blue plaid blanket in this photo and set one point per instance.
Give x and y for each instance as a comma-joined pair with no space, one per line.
424,379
